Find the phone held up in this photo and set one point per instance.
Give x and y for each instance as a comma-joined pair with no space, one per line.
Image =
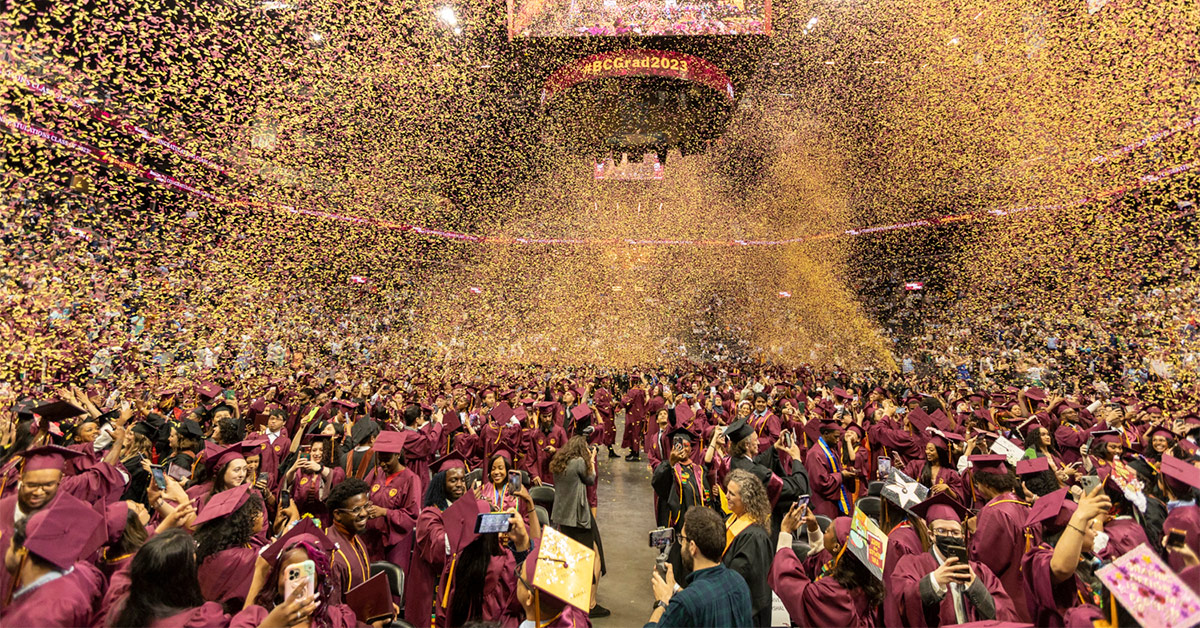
306,570
491,522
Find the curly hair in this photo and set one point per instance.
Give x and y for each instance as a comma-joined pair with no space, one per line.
576,447
345,490
233,531
753,494
269,597
741,448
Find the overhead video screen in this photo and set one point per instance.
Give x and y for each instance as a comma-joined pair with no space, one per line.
633,18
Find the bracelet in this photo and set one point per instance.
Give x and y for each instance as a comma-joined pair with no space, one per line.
1076,528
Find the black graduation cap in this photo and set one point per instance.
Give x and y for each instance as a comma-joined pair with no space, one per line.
739,430
363,429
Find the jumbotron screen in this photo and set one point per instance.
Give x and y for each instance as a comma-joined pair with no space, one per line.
632,18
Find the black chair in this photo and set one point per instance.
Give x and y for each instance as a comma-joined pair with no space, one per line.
543,496
800,547
542,515
870,505
395,576
823,522
875,489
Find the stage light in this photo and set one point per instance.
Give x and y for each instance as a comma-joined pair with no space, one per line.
447,16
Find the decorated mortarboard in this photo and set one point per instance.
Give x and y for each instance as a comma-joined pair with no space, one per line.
48,457
348,404
209,390
738,431
864,539
452,460
1180,471
561,567
389,442
991,463
1033,466
1149,590
902,490
65,532
1052,509
940,506
217,456
223,504
305,531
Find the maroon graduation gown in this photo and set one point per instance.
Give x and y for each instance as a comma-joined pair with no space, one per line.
906,580
429,556
570,617
8,513
1070,438
389,537
207,615
902,541
420,448
499,591
999,543
950,477
468,445
634,402
496,437
227,574
1186,518
826,486
540,444
309,491
65,601
1124,534
823,602
606,431
896,439
1049,601
349,561
767,426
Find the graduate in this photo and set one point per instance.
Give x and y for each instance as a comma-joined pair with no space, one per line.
1059,573
161,588
310,479
395,502
678,482
933,588
634,403
783,486
999,539
544,441
479,580
349,503
429,548
47,560
224,528
359,458
1181,480
935,470
748,549
847,595
831,481
421,443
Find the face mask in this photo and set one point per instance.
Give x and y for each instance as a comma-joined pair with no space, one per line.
1100,542
944,543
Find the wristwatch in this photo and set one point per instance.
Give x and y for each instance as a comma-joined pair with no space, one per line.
660,604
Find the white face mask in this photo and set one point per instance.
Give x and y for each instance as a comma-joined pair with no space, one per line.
1100,542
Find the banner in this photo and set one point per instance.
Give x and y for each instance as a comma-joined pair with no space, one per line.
637,18
640,62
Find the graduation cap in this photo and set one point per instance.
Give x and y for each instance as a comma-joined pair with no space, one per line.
255,444
1181,472
682,432
216,456
1052,509
842,394
1036,394
452,460
738,431
920,419
542,405
362,429
502,413
561,567
56,412
830,425
190,429
684,412
389,442
1107,437
145,429
520,414
990,463
580,412
209,390
459,521
1033,466
940,506
1159,430
305,531
451,421
66,531
115,515
48,457
223,504
902,490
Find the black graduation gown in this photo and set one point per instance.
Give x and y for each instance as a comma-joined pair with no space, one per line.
750,556
767,467
673,499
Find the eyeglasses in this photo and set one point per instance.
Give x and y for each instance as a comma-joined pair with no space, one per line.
361,510
949,532
682,538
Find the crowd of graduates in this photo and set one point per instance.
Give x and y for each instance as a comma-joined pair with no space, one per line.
280,501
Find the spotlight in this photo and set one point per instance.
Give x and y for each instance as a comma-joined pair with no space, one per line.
446,16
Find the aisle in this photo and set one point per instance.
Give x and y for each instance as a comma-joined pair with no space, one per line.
626,517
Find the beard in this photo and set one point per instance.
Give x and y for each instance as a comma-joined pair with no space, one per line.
687,560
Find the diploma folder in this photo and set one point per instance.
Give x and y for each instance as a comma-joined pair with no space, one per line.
371,600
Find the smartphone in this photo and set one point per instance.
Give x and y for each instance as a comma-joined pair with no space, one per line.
305,452
229,394
514,481
298,572
1089,483
180,474
491,522
802,501
160,476
263,477
285,498
788,438
959,552
1176,538
661,537
885,467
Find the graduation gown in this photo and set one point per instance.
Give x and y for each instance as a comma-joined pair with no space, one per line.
999,542
349,561
678,488
634,402
570,617
897,439
226,575
767,426
657,446
496,437
65,601
906,580
750,556
902,541
950,477
606,431
499,591
830,495
429,556
309,491
541,442
8,519
822,602
782,489
1049,601
1186,518
389,537
338,616
1124,534
420,448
